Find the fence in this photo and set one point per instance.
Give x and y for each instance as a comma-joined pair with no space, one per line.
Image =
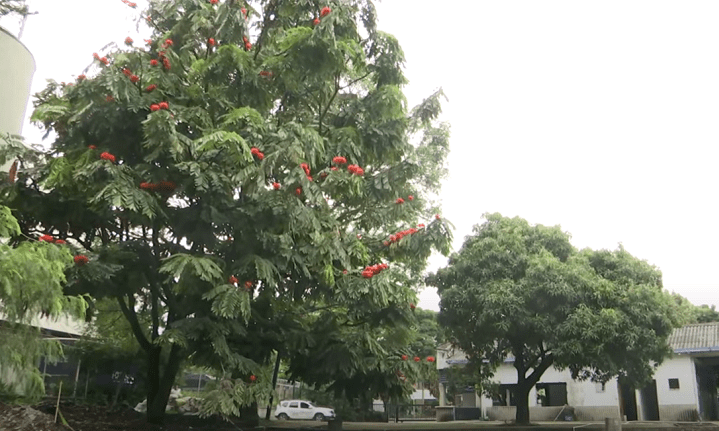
406,412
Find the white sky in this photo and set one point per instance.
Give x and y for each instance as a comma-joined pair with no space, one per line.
598,116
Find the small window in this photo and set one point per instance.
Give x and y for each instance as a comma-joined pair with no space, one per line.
673,383
601,387
304,406
284,403
293,404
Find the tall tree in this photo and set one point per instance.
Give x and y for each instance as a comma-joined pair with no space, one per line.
523,291
249,169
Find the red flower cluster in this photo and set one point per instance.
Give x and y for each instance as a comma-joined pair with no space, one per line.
404,357
46,238
150,87
399,201
298,191
92,147
211,41
102,60
325,11
81,260
248,285
421,225
316,21
257,153
127,72
371,271
128,40
253,378
166,63
60,241
417,359
244,12
81,77
157,106
232,280
163,186
134,78
305,167
248,45
437,216
339,160
410,197
334,168
164,105
107,156
154,62
213,1
430,358
148,41
265,73
412,306
399,235
355,170
129,3
276,185
168,42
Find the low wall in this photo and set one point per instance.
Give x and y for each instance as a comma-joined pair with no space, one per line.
680,412
596,413
548,414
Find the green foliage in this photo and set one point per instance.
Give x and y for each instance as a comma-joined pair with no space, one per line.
522,291
31,278
189,204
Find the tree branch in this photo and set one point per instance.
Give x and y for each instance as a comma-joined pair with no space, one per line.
131,316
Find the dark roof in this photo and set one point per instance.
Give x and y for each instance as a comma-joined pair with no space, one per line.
696,338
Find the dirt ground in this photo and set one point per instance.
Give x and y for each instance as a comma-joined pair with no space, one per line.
98,418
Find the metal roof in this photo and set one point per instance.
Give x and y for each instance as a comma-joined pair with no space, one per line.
695,338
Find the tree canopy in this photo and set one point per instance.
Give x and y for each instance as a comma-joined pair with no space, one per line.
247,181
522,291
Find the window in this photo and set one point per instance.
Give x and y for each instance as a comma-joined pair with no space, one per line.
284,403
293,404
601,387
551,394
673,383
504,396
304,406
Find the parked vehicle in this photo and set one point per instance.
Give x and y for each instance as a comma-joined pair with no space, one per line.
300,409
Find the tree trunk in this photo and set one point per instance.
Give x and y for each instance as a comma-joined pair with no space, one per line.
249,415
274,384
522,397
157,404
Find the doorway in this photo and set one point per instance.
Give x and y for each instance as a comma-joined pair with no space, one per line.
650,402
627,400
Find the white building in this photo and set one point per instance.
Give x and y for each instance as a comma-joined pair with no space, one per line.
684,387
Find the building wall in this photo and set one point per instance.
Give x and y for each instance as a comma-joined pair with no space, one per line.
677,404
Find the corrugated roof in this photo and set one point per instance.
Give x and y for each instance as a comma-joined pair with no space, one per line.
696,338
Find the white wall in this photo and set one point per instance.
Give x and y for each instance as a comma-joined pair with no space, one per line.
678,367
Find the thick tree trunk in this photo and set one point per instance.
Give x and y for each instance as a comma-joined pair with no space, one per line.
157,404
522,397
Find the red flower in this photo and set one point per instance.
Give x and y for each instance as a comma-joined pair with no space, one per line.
437,217
92,147
386,243
126,71
399,201
81,77
150,87
248,46
107,156
211,41
134,78
244,39
60,241
339,160
109,98
334,168
132,4
81,259
265,73
412,306
421,225
305,167
232,280
146,186
154,62
163,105
367,274
154,107
167,186
104,61
253,378
344,271
95,56
244,11
276,186
417,359
430,358
148,41
325,11
46,238
298,191
410,197
168,42
213,1
166,63
316,21
404,357
248,285
128,40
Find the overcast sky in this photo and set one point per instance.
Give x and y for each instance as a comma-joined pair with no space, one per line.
597,116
